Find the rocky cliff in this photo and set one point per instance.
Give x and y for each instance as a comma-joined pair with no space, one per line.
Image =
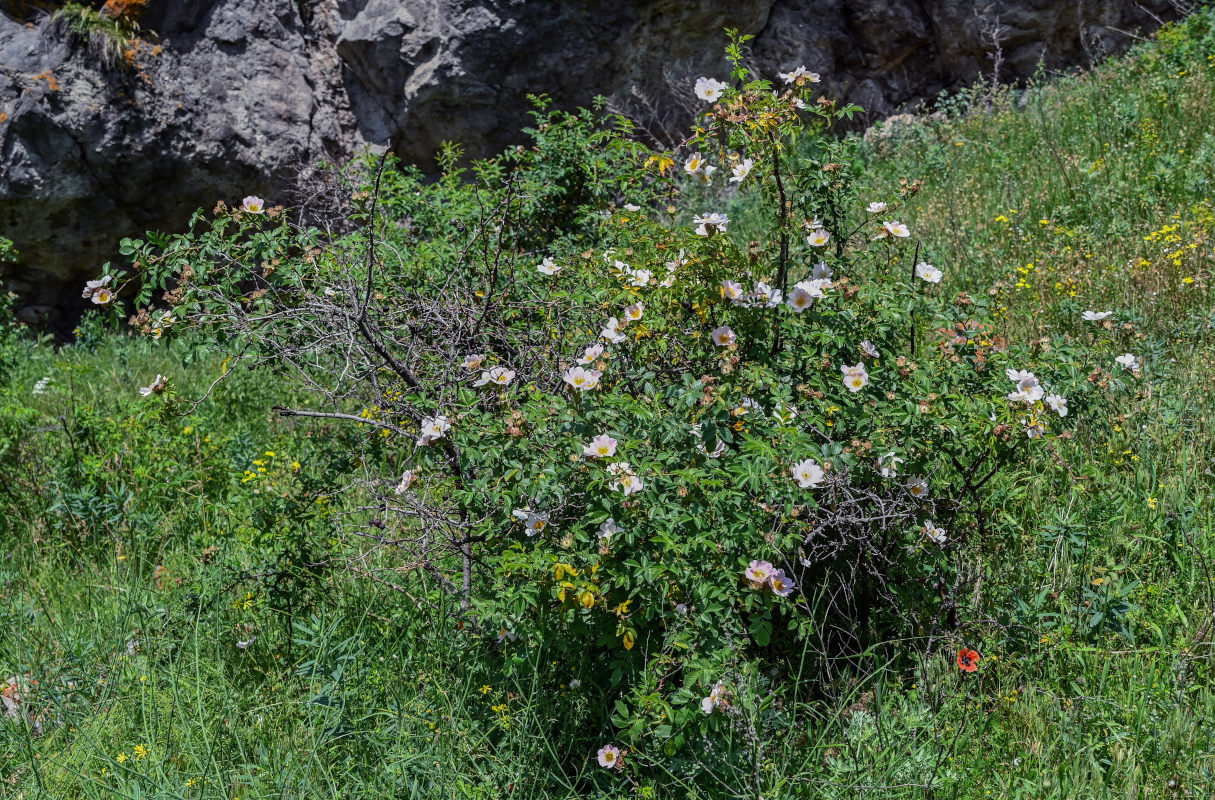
217,99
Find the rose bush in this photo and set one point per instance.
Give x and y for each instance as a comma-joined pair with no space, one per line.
600,423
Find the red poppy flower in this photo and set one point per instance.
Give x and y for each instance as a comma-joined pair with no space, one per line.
968,660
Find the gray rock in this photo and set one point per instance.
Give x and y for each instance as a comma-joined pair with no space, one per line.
238,95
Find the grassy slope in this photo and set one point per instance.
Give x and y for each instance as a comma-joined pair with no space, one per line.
1096,675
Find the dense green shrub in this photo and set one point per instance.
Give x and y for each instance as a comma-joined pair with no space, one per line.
600,428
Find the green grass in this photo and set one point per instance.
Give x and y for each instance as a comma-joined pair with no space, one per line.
134,556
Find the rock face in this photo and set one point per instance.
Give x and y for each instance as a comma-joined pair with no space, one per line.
233,97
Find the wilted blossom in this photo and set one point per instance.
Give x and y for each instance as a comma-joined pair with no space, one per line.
156,387
632,207
699,167
602,446
808,473
889,464
718,698
590,354
500,376
91,287
548,267
1095,316
700,444
611,331
40,388
928,272
742,169
868,349
822,272
765,296
818,238
723,336
1128,361
625,479
709,89
473,362
715,220
895,229
407,480
609,754
855,378
757,573
253,205
1033,428
800,72
780,583
876,207
609,528
917,486
581,378
433,429
934,533
1057,403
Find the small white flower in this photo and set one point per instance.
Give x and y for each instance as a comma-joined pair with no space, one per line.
805,293
818,238
246,644
1128,361
602,446
1057,403
433,429
716,698
896,229
500,376
715,221
723,336
868,349
1033,428
808,473
639,278
157,386
928,272
628,483
1029,390
632,207
548,267
822,272
917,486
742,169
855,378
253,205
876,207
633,313
590,354
91,287
102,296
695,163
41,387
934,533
681,609
407,480
473,362
781,584
1018,375
1095,316
758,572
536,523
611,331
581,378
608,528
709,89
732,291
609,755
575,683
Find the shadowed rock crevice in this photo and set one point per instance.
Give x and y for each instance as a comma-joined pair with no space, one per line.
230,97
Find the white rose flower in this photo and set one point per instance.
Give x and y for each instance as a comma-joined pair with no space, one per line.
1057,403
876,207
723,336
818,238
500,376
928,272
715,220
253,205
548,267
808,473
1095,316
709,89
934,533
741,170
855,378
156,387
581,378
